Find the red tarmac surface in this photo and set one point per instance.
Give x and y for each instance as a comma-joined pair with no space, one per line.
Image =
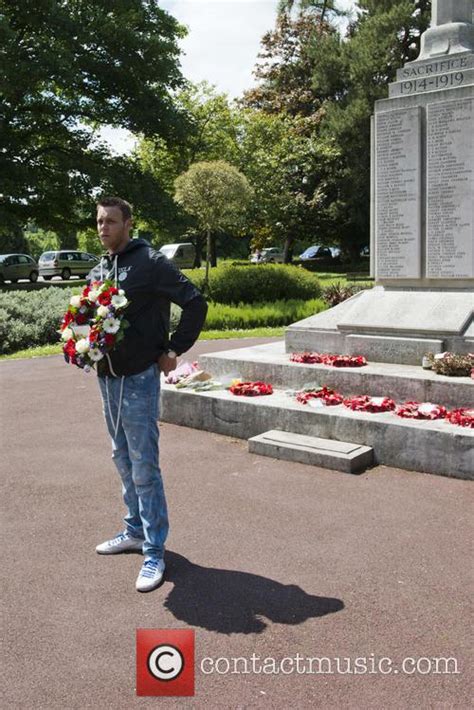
264,557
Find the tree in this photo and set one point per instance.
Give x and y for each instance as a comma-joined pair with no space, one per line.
288,172
213,135
68,68
330,84
216,194
385,35
288,60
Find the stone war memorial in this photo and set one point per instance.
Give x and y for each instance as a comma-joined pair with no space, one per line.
422,260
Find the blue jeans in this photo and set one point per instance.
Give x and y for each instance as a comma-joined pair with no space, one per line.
131,410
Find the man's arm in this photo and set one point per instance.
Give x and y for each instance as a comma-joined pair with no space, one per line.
172,284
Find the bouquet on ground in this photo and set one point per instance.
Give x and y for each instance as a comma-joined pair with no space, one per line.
93,323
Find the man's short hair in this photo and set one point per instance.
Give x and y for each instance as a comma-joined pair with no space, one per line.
124,206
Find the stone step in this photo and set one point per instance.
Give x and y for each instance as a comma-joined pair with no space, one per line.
271,363
429,446
312,450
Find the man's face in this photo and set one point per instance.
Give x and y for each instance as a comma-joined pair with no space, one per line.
114,231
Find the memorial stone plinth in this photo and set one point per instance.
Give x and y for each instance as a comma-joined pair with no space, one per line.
422,209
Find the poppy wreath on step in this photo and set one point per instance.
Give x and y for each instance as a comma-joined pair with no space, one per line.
251,389
327,359
364,403
421,410
461,417
329,397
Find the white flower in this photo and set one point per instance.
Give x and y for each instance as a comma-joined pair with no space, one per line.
111,325
82,346
121,292
119,301
102,311
95,354
75,301
93,295
66,334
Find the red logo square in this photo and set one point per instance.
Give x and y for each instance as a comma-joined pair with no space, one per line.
165,662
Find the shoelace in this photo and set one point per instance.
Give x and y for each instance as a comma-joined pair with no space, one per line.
117,540
149,568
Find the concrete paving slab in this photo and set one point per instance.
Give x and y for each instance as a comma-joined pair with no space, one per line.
312,450
263,558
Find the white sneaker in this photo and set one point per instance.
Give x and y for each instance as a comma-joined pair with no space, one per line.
123,542
150,575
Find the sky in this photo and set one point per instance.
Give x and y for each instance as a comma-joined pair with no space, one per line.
221,47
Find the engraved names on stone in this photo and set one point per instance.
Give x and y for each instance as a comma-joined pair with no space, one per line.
397,185
450,185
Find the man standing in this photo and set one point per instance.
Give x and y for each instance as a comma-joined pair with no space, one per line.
129,378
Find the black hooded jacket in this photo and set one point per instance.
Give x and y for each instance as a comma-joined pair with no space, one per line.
151,283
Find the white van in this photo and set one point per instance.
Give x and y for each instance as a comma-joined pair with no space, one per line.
182,255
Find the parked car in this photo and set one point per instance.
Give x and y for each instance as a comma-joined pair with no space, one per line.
66,263
182,255
17,266
319,253
269,255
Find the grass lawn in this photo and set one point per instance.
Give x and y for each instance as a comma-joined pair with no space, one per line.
44,350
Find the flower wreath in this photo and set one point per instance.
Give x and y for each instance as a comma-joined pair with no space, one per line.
364,403
251,389
329,397
326,359
452,364
423,410
93,323
461,417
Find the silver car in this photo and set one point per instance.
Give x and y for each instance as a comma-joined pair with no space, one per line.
66,263
269,255
17,266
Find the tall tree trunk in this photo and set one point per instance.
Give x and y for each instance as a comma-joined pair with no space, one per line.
208,255
287,251
213,250
198,245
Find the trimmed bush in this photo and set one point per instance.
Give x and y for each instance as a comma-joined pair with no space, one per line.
29,318
244,316
261,283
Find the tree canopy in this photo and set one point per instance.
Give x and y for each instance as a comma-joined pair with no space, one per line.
68,67
216,194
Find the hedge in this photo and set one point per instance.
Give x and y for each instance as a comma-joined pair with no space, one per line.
32,318
261,283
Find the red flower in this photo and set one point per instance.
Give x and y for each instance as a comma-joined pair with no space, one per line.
329,397
93,335
364,403
67,318
105,298
411,410
70,348
81,319
113,290
462,417
109,339
251,389
85,292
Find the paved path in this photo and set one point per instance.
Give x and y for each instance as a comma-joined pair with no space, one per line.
264,557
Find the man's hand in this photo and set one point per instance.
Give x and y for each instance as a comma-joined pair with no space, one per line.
167,364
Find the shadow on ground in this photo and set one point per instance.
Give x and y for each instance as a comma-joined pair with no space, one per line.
229,602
